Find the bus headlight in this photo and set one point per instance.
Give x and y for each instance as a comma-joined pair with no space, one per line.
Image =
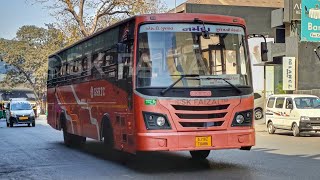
243,118
156,121
161,121
239,119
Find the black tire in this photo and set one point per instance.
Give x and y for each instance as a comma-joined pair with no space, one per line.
246,148
33,124
200,154
107,133
258,114
72,140
295,130
271,128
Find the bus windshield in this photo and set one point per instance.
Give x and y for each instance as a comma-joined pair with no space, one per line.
169,51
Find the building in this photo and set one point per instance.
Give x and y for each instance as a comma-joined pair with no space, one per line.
282,21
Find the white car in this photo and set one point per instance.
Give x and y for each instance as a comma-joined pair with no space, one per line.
297,113
258,106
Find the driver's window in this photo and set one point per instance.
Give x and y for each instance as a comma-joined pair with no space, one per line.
289,103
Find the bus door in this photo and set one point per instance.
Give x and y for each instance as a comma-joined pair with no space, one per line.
214,59
125,135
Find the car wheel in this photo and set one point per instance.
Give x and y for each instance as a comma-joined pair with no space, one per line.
271,128
258,114
296,131
200,155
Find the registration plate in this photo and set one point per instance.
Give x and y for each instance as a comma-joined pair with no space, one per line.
316,127
23,118
203,141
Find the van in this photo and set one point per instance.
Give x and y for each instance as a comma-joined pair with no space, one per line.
296,113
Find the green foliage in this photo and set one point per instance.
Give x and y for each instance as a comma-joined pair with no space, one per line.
279,89
28,54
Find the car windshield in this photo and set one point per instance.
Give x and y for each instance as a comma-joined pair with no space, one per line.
21,106
307,103
168,51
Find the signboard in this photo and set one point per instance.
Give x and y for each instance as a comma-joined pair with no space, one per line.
191,28
295,9
310,21
289,73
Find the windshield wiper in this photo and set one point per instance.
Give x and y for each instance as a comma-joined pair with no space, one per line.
232,85
173,84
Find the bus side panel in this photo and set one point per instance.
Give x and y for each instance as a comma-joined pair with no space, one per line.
68,104
52,121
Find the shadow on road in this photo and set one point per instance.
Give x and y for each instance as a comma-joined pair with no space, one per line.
303,134
156,162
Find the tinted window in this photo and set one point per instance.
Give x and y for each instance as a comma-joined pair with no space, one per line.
289,103
279,102
307,103
270,103
256,96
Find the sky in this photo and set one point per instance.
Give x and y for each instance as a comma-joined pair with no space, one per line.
16,13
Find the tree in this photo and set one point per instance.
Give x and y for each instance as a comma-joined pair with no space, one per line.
87,16
27,57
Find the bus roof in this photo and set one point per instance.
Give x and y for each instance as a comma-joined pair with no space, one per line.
165,17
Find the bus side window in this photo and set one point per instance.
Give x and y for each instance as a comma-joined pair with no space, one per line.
84,66
75,67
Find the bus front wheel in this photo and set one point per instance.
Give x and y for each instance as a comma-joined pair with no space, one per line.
200,154
72,140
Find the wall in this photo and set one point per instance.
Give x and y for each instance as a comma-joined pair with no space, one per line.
308,67
258,19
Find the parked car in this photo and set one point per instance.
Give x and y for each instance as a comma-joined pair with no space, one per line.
258,105
296,113
19,111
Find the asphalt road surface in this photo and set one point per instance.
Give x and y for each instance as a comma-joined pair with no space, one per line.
39,153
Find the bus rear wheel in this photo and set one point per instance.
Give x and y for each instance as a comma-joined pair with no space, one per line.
200,154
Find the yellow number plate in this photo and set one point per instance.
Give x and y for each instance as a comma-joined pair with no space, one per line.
23,118
203,141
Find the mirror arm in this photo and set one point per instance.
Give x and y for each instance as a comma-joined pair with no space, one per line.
316,51
260,35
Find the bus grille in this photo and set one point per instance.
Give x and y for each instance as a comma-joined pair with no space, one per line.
200,108
201,124
201,116
191,118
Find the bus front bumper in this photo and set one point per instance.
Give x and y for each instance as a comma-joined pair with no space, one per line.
186,141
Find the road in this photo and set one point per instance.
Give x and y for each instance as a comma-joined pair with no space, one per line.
39,153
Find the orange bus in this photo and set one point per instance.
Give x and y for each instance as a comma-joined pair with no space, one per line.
159,82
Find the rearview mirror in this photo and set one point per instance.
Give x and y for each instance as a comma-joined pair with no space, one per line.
264,51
